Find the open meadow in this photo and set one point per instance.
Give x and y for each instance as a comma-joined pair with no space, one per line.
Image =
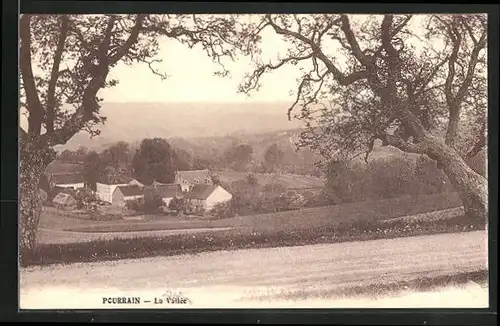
58,227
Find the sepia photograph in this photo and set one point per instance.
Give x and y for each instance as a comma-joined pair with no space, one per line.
277,160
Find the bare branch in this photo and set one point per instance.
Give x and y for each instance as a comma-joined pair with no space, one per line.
34,105
355,48
431,76
469,30
400,27
130,41
339,76
154,70
55,73
456,38
85,112
480,144
304,81
455,102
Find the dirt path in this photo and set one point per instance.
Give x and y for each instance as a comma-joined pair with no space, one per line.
245,277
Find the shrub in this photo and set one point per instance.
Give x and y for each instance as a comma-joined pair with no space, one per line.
274,188
178,205
85,199
135,204
112,249
152,202
223,210
385,178
251,179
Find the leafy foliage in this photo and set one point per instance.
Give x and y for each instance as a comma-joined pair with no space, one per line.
154,160
349,182
178,204
273,158
238,156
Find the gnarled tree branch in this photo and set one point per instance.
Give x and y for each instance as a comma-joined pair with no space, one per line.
55,73
34,106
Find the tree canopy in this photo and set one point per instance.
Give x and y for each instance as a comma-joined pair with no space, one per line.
154,161
390,77
65,61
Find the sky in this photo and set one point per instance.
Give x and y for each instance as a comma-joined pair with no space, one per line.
191,78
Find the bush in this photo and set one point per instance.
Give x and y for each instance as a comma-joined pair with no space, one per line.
85,199
274,188
223,210
251,179
152,203
382,179
179,205
135,205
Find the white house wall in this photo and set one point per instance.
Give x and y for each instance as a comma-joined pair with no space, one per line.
71,185
105,192
219,195
126,198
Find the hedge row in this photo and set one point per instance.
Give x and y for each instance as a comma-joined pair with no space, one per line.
140,247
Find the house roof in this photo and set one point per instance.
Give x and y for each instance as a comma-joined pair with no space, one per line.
131,190
168,190
120,179
64,199
67,178
190,176
200,191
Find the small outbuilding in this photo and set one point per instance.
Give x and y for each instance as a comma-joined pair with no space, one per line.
64,200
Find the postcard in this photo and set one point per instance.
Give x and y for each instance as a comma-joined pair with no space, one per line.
253,161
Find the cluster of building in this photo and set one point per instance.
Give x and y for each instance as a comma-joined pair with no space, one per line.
196,186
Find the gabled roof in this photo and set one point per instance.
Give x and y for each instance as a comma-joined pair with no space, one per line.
67,178
170,190
131,190
200,191
122,179
190,176
64,199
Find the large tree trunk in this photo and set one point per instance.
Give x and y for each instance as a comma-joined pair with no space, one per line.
471,186
34,157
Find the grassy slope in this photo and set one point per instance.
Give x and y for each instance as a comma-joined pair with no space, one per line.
289,181
293,220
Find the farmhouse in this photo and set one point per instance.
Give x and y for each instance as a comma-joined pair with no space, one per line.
122,194
105,189
188,179
67,180
207,196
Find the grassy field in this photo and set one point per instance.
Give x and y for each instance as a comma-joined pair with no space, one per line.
289,181
346,223
285,221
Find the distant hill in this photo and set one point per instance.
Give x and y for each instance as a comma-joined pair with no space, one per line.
132,122
206,130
